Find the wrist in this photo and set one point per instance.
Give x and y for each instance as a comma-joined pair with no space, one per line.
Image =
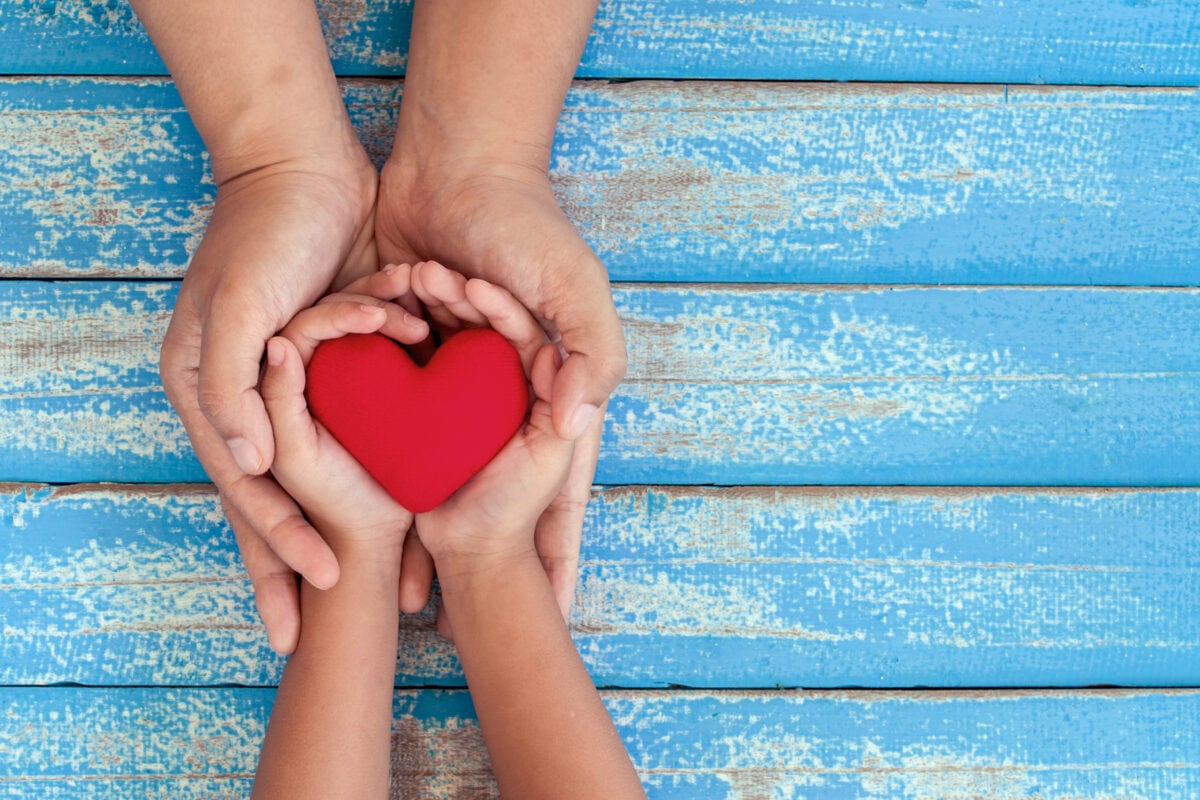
375,552
306,140
427,138
461,573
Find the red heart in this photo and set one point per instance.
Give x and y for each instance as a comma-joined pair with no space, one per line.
421,432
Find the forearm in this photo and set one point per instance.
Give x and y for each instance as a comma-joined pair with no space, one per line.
486,78
330,728
547,732
255,78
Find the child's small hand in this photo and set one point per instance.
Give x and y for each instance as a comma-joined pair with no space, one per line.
338,496
493,516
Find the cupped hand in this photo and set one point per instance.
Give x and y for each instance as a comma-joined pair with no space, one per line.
280,236
500,222
350,509
494,515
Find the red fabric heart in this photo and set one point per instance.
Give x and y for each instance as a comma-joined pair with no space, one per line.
421,432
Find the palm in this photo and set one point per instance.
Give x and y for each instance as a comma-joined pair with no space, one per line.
511,233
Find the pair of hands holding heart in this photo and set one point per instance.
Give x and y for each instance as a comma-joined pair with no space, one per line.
385,439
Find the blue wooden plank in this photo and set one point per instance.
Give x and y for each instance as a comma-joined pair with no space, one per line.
1020,41
691,182
182,743
105,585
974,386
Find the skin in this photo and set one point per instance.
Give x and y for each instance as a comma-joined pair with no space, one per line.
329,730
300,211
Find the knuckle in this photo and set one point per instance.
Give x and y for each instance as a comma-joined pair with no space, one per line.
212,401
288,527
614,366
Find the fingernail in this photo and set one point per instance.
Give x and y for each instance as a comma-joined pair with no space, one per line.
413,322
274,352
390,268
367,308
248,459
580,419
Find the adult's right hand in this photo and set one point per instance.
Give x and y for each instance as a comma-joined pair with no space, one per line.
280,237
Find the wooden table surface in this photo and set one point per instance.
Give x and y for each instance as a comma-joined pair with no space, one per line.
900,497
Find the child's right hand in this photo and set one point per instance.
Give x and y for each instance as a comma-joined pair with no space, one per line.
344,503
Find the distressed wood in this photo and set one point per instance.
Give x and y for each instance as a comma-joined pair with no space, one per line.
691,181
181,743
1020,41
726,385
112,585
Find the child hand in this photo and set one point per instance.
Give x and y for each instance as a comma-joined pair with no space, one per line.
493,516
339,497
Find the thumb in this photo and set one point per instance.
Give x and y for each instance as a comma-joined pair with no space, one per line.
283,395
231,348
595,364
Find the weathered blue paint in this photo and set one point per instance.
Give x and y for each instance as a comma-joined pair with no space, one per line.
967,386
1021,41
708,588
691,182
739,746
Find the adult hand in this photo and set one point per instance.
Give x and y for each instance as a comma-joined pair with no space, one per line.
279,237
500,222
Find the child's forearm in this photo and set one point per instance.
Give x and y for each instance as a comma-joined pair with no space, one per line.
547,733
330,729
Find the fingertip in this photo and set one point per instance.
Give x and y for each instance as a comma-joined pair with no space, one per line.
278,607
324,573
247,455
571,407
443,625
416,575
275,351
546,364
580,418
565,595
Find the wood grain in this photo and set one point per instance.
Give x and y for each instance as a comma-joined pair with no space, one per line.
726,385
690,181
203,743
121,585
1020,41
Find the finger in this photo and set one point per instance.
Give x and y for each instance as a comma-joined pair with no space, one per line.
443,320
590,329
285,530
508,317
391,283
416,574
443,623
448,288
559,530
398,323
326,321
233,338
276,595
546,364
267,510
283,393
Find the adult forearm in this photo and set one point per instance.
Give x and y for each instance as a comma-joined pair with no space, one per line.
330,728
547,732
486,78
255,77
